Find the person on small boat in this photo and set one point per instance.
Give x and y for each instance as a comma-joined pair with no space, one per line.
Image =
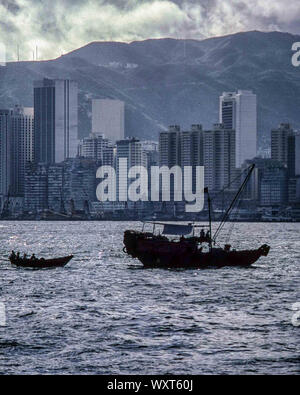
202,234
18,255
33,257
25,256
13,254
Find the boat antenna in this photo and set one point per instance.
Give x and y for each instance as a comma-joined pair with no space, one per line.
226,215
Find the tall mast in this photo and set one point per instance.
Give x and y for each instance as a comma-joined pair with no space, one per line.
226,215
209,217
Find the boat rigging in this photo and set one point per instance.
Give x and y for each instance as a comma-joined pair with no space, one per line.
157,250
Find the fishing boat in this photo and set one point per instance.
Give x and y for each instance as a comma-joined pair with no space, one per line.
188,249
39,263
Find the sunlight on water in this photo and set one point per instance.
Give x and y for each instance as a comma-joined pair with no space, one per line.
103,313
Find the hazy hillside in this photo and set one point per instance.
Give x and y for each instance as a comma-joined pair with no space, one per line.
171,81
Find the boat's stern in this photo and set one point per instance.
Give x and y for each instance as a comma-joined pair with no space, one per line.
130,242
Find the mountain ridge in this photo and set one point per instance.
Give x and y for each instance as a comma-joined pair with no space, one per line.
172,81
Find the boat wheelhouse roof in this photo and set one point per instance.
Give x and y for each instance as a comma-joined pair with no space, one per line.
179,230
176,229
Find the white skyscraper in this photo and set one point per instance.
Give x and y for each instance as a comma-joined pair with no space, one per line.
108,118
56,120
238,111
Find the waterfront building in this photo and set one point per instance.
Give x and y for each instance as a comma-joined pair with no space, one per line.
169,147
214,149
79,185
238,111
219,148
274,184
22,146
132,150
285,148
169,156
5,147
97,148
56,120
36,187
56,187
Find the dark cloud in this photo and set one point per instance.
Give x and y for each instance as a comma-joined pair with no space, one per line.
11,6
61,25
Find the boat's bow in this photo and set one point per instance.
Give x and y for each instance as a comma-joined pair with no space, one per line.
264,250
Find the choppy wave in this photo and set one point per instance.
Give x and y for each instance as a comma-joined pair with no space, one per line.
104,314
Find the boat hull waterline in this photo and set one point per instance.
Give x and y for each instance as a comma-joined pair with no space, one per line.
158,251
41,263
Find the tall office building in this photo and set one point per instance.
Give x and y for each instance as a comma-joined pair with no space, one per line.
36,187
56,120
16,149
5,147
297,154
22,147
219,149
169,155
191,146
55,187
132,150
273,184
108,118
285,148
268,184
214,149
169,147
238,111
79,182
297,167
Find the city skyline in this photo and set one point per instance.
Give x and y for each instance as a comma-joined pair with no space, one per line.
53,177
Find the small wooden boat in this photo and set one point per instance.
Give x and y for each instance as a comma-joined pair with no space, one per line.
39,263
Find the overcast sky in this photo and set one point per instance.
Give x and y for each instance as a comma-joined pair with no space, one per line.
58,26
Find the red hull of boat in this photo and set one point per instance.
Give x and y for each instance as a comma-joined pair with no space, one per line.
155,251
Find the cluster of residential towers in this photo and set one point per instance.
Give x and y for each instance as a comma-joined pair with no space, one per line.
44,166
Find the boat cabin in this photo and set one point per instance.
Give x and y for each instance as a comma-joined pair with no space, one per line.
199,233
